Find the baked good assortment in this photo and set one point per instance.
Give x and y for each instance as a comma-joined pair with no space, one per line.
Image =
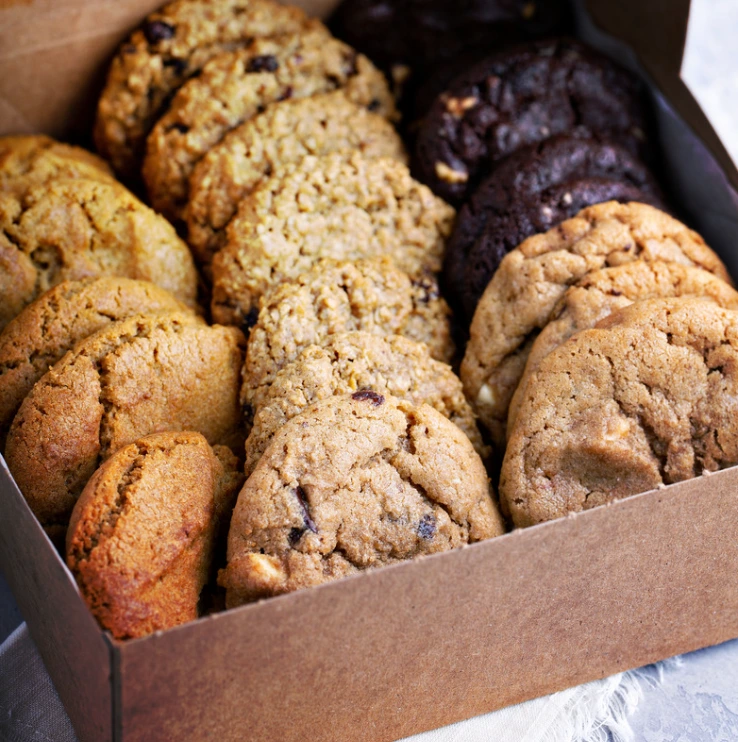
320,425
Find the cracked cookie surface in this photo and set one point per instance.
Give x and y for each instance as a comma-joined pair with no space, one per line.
79,228
355,482
50,326
142,375
318,125
648,397
236,86
173,44
517,97
605,291
142,536
335,297
531,279
348,362
339,207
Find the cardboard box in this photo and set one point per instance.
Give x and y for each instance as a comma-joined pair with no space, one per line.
417,645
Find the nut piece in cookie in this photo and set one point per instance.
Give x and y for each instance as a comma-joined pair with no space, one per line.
143,375
351,483
142,536
646,398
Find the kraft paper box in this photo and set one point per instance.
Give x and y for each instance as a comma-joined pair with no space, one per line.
400,650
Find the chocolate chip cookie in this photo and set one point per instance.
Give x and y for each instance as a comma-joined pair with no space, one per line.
518,97
143,375
531,191
648,397
79,228
337,206
34,160
603,292
348,362
531,279
142,535
317,125
173,44
335,297
235,87
351,483
50,326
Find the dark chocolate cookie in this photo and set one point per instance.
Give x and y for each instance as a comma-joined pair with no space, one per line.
530,191
518,97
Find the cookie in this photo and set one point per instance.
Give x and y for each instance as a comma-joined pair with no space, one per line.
71,311
646,398
143,375
348,362
531,279
605,291
79,228
354,482
317,125
336,297
531,191
34,160
335,206
517,97
173,44
142,536
236,86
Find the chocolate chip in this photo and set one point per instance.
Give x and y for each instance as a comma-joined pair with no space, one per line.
250,320
295,535
155,31
427,527
615,292
176,64
287,94
263,63
374,105
367,395
305,507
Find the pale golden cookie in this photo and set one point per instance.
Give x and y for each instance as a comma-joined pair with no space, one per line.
173,44
351,483
646,398
531,279
79,228
142,536
143,375
602,292
348,362
335,206
317,125
236,86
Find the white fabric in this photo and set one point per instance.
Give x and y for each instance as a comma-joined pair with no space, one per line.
30,709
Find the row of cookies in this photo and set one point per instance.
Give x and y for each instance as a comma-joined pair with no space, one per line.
601,359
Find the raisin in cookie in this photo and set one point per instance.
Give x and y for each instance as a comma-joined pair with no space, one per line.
235,87
143,375
142,536
531,279
50,326
317,125
79,228
351,483
172,45
648,397
34,160
335,297
335,206
517,97
602,292
348,362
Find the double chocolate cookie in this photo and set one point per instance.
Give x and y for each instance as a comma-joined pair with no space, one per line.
529,192
518,97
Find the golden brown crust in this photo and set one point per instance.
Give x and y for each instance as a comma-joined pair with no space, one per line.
354,482
646,398
143,375
532,278
142,535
